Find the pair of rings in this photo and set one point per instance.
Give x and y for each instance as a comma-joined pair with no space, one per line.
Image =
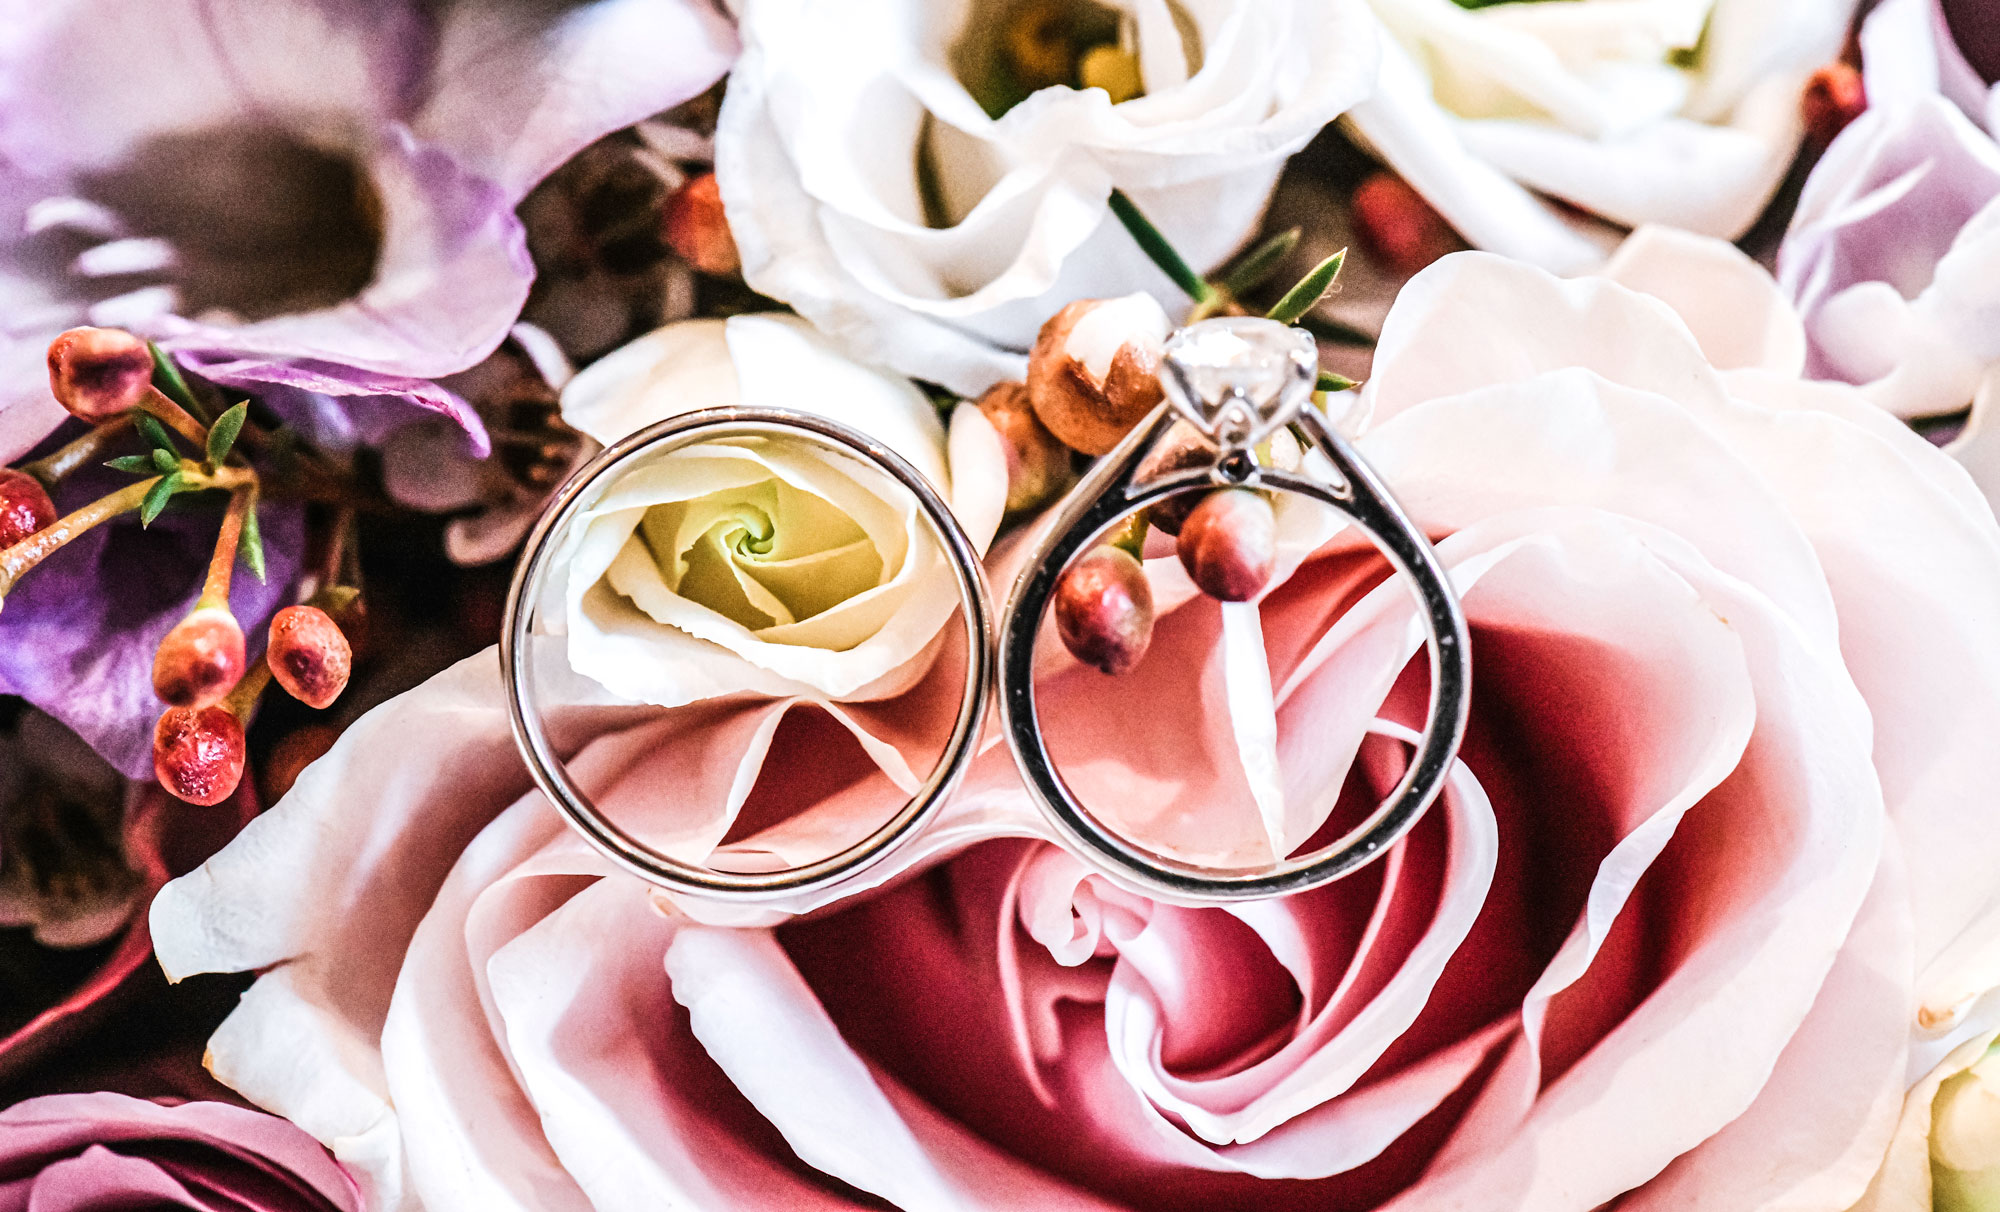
1237,381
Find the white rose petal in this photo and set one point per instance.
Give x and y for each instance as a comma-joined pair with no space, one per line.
833,110
1679,112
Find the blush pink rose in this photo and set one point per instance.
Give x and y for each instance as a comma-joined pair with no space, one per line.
86,1152
1716,852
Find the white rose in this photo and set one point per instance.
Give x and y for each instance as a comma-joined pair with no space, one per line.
1678,112
771,565
836,114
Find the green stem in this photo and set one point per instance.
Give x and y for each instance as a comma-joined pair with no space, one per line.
1155,245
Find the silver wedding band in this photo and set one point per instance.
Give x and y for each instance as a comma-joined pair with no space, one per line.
552,775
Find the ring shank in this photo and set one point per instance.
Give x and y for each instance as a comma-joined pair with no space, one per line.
550,772
1365,502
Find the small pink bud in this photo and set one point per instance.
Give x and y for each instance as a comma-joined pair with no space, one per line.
697,230
198,753
1104,610
1038,466
1229,544
1834,96
24,506
1398,225
99,373
308,655
200,660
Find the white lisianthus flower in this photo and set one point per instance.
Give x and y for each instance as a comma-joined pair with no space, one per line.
867,187
1676,112
774,565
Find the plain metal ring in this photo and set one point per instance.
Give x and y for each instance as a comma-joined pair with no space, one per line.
552,775
1106,497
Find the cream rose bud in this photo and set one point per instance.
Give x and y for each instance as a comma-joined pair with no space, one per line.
773,564
1684,114
886,172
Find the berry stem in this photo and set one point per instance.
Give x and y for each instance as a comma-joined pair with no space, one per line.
52,467
18,559
242,700
222,564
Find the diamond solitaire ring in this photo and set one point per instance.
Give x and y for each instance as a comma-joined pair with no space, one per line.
1237,382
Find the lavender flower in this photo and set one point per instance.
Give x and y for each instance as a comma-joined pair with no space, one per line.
310,199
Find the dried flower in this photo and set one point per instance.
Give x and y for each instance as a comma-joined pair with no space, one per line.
200,659
1834,96
308,655
1093,374
1038,465
1104,610
99,373
697,230
25,506
198,753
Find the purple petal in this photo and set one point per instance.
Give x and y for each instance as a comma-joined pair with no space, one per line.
369,406
77,633
452,275
84,82
522,85
1884,204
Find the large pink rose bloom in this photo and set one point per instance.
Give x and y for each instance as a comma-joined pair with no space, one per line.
1717,852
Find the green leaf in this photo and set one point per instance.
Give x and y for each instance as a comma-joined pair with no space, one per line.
1249,273
1329,381
335,599
1155,245
156,434
1300,299
222,434
168,378
137,465
250,540
163,462
157,498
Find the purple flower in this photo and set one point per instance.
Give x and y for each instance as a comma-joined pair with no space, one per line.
1893,257
78,631
86,1151
309,199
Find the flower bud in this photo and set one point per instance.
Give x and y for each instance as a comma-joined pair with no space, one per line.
1104,610
1398,225
290,756
1229,544
697,230
1094,372
1834,96
99,373
198,753
1038,466
200,660
308,655
24,506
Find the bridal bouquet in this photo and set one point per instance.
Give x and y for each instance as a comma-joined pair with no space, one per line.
388,611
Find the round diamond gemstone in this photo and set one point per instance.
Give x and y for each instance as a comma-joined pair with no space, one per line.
1238,378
